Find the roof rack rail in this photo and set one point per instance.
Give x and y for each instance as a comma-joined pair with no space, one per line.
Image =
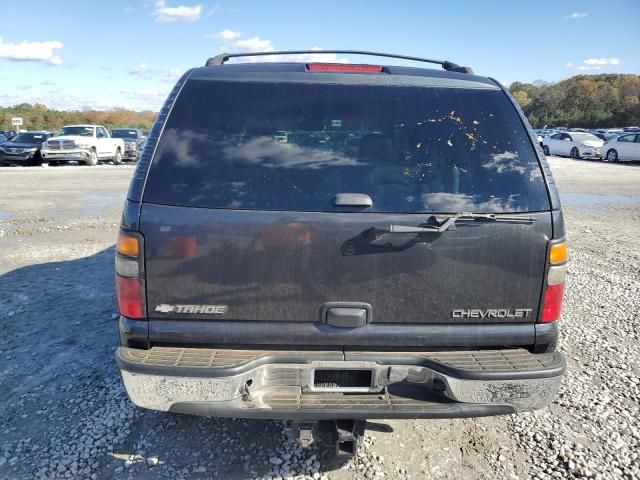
449,66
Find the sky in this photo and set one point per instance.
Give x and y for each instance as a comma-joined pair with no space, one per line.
108,54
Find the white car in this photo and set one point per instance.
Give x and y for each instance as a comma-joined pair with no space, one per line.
573,144
82,143
622,148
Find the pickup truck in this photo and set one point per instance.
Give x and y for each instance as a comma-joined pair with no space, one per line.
83,143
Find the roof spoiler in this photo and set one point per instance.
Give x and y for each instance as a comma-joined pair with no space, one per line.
449,66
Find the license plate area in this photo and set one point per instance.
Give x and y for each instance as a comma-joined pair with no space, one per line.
342,379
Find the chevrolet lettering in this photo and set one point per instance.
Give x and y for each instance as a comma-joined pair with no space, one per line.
491,313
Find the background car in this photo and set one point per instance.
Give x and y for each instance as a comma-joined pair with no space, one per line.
573,144
622,148
23,149
3,138
134,141
9,134
85,144
605,137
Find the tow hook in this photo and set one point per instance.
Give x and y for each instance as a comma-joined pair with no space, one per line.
302,432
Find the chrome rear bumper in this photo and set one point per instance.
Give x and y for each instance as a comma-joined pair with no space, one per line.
262,384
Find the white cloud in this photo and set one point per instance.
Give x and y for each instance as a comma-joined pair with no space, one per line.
31,51
460,202
575,15
314,57
60,100
143,71
595,63
267,153
171,75
234,43
255,44
602,61
180,13
213,10
138,69
146,93
226,35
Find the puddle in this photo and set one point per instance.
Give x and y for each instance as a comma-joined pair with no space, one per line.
5,215
597,203
95,204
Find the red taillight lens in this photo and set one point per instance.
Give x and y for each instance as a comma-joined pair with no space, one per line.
129,293
552,305
130,275
342,67
556,273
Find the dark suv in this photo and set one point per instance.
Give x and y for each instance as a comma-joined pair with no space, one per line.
338,242
133,141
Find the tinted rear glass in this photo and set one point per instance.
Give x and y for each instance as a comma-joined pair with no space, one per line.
294,146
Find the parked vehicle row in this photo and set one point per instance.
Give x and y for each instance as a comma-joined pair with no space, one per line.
613,145
89,144
85,144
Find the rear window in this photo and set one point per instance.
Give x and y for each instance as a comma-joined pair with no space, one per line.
124,134
294,146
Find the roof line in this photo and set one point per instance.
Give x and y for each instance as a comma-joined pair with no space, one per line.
447,65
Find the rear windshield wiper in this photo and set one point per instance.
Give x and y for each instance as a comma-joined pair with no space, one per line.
437,226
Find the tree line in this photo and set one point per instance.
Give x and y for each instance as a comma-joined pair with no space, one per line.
606,100
588,101
40,117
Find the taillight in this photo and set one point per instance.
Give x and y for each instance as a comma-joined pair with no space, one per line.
554,287
343,67
130,275
130,297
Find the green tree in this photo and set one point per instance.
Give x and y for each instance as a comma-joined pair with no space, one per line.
606,100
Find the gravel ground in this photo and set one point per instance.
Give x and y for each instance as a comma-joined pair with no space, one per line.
64,413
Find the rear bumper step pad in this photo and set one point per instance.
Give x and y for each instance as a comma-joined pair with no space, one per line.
504,364
280,384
